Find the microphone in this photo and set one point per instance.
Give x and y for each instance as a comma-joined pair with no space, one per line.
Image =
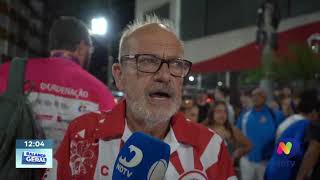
142,157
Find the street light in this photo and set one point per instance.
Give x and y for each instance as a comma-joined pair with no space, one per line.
99,26
191,78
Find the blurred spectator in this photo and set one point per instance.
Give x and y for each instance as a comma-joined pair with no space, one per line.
190,109
295,117
259,125
246,101
245,104
191,113
296,99
311,159
287,92
287,105
237,144
275,103
222,94
276,93
297,130
61,88
203,106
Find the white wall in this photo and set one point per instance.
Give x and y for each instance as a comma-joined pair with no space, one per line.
204,48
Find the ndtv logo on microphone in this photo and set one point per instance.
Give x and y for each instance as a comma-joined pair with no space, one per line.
124,164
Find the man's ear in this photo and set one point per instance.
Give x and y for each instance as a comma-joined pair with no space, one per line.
80,52
117,73
77,50
80,48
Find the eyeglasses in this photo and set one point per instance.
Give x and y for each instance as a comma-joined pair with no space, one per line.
149,63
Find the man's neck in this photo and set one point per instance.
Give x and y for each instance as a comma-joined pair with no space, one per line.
160,130
65,55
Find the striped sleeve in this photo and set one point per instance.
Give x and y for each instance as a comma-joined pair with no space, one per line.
216,160
60,168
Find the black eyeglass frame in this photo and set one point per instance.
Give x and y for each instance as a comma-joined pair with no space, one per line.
166,61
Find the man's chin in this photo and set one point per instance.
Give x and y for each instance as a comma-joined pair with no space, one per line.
162,113
155,122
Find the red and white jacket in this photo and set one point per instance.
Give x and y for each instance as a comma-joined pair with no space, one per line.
92,143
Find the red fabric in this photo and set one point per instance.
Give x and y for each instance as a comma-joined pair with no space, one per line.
249,56
175,160
214,172
295,36
246,57
110,125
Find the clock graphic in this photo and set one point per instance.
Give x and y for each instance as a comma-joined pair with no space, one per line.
34,153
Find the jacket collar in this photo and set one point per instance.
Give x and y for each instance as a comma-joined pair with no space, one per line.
114,126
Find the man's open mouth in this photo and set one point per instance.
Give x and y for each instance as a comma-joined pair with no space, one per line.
159,94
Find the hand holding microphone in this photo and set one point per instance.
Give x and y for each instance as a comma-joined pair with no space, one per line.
142,157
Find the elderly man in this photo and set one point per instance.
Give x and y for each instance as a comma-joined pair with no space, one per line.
150,72
259,124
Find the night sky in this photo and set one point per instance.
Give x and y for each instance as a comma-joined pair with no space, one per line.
118,13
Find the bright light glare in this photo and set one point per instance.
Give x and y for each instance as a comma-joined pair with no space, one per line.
99,26
220,83
191,78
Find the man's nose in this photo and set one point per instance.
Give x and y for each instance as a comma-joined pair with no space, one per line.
163,74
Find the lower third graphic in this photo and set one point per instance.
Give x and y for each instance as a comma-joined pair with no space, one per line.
33,158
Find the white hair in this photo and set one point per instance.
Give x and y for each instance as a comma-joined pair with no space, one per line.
138,23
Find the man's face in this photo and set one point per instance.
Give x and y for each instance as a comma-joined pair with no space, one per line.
201,100
258,98
218,95
245,101
151,97
286,92
220,114
192,113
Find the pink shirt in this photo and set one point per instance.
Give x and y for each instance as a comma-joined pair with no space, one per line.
61,91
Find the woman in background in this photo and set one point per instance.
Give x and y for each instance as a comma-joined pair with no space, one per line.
217,120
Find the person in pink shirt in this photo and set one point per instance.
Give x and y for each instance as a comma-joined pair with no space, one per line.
60,87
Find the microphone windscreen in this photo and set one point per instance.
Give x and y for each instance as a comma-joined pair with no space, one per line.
142,157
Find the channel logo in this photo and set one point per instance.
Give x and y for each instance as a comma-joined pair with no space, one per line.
135,161
288,147
284,148
33,158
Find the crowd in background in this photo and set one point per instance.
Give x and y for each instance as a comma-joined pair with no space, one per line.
253,128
